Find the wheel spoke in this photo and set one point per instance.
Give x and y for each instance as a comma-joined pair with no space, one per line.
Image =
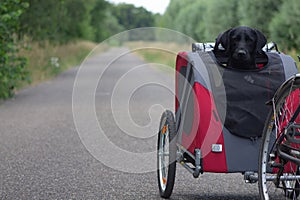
163,154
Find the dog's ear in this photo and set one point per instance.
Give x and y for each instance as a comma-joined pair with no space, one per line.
223,39
218,41
261,41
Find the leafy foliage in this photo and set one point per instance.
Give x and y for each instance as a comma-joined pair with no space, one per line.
257,13
204,20
43,20
12,66
104,24
285,26
220,16
131,17
56,21
65,20
173,10
190,20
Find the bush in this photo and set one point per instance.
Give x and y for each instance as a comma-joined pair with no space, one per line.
12,66
285,26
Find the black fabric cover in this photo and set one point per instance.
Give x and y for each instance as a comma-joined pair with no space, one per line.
246,94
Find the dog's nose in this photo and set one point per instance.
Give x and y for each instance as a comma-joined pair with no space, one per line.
241,53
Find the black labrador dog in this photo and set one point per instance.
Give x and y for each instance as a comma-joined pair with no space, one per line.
242,44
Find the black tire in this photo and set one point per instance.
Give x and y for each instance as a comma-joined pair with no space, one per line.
166,152
272,163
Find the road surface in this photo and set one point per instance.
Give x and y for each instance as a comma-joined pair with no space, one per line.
49,148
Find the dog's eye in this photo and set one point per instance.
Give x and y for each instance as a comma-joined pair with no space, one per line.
236,38
249,39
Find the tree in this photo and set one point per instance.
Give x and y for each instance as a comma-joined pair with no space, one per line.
131,17
201,20
12,66
258,13
75,21
108,28
44,20
62,20
285,26
220,16
104,23
173,10
190,20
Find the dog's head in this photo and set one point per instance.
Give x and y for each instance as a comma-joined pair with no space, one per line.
241,44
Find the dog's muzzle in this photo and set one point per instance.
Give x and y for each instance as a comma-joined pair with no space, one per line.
241,53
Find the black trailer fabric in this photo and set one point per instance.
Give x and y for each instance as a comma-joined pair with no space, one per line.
246,92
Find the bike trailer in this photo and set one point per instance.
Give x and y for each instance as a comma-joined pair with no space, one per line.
220,112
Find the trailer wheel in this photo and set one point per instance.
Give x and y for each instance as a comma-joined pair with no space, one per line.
166,154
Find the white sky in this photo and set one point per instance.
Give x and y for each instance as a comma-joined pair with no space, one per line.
158,7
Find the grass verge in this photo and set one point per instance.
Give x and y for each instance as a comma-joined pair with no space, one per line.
295,55
157,52
47,60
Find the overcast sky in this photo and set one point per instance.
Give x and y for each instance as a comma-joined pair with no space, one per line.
155,6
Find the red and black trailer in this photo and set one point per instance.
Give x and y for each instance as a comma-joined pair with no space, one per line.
233,121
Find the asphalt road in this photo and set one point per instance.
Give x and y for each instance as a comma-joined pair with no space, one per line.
50,149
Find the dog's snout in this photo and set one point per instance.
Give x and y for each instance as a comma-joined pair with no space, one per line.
241,53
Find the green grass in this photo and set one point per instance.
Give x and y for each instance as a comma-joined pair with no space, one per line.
157,52
294,55
160,57
47,60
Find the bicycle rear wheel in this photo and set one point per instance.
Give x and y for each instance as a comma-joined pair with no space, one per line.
279,158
